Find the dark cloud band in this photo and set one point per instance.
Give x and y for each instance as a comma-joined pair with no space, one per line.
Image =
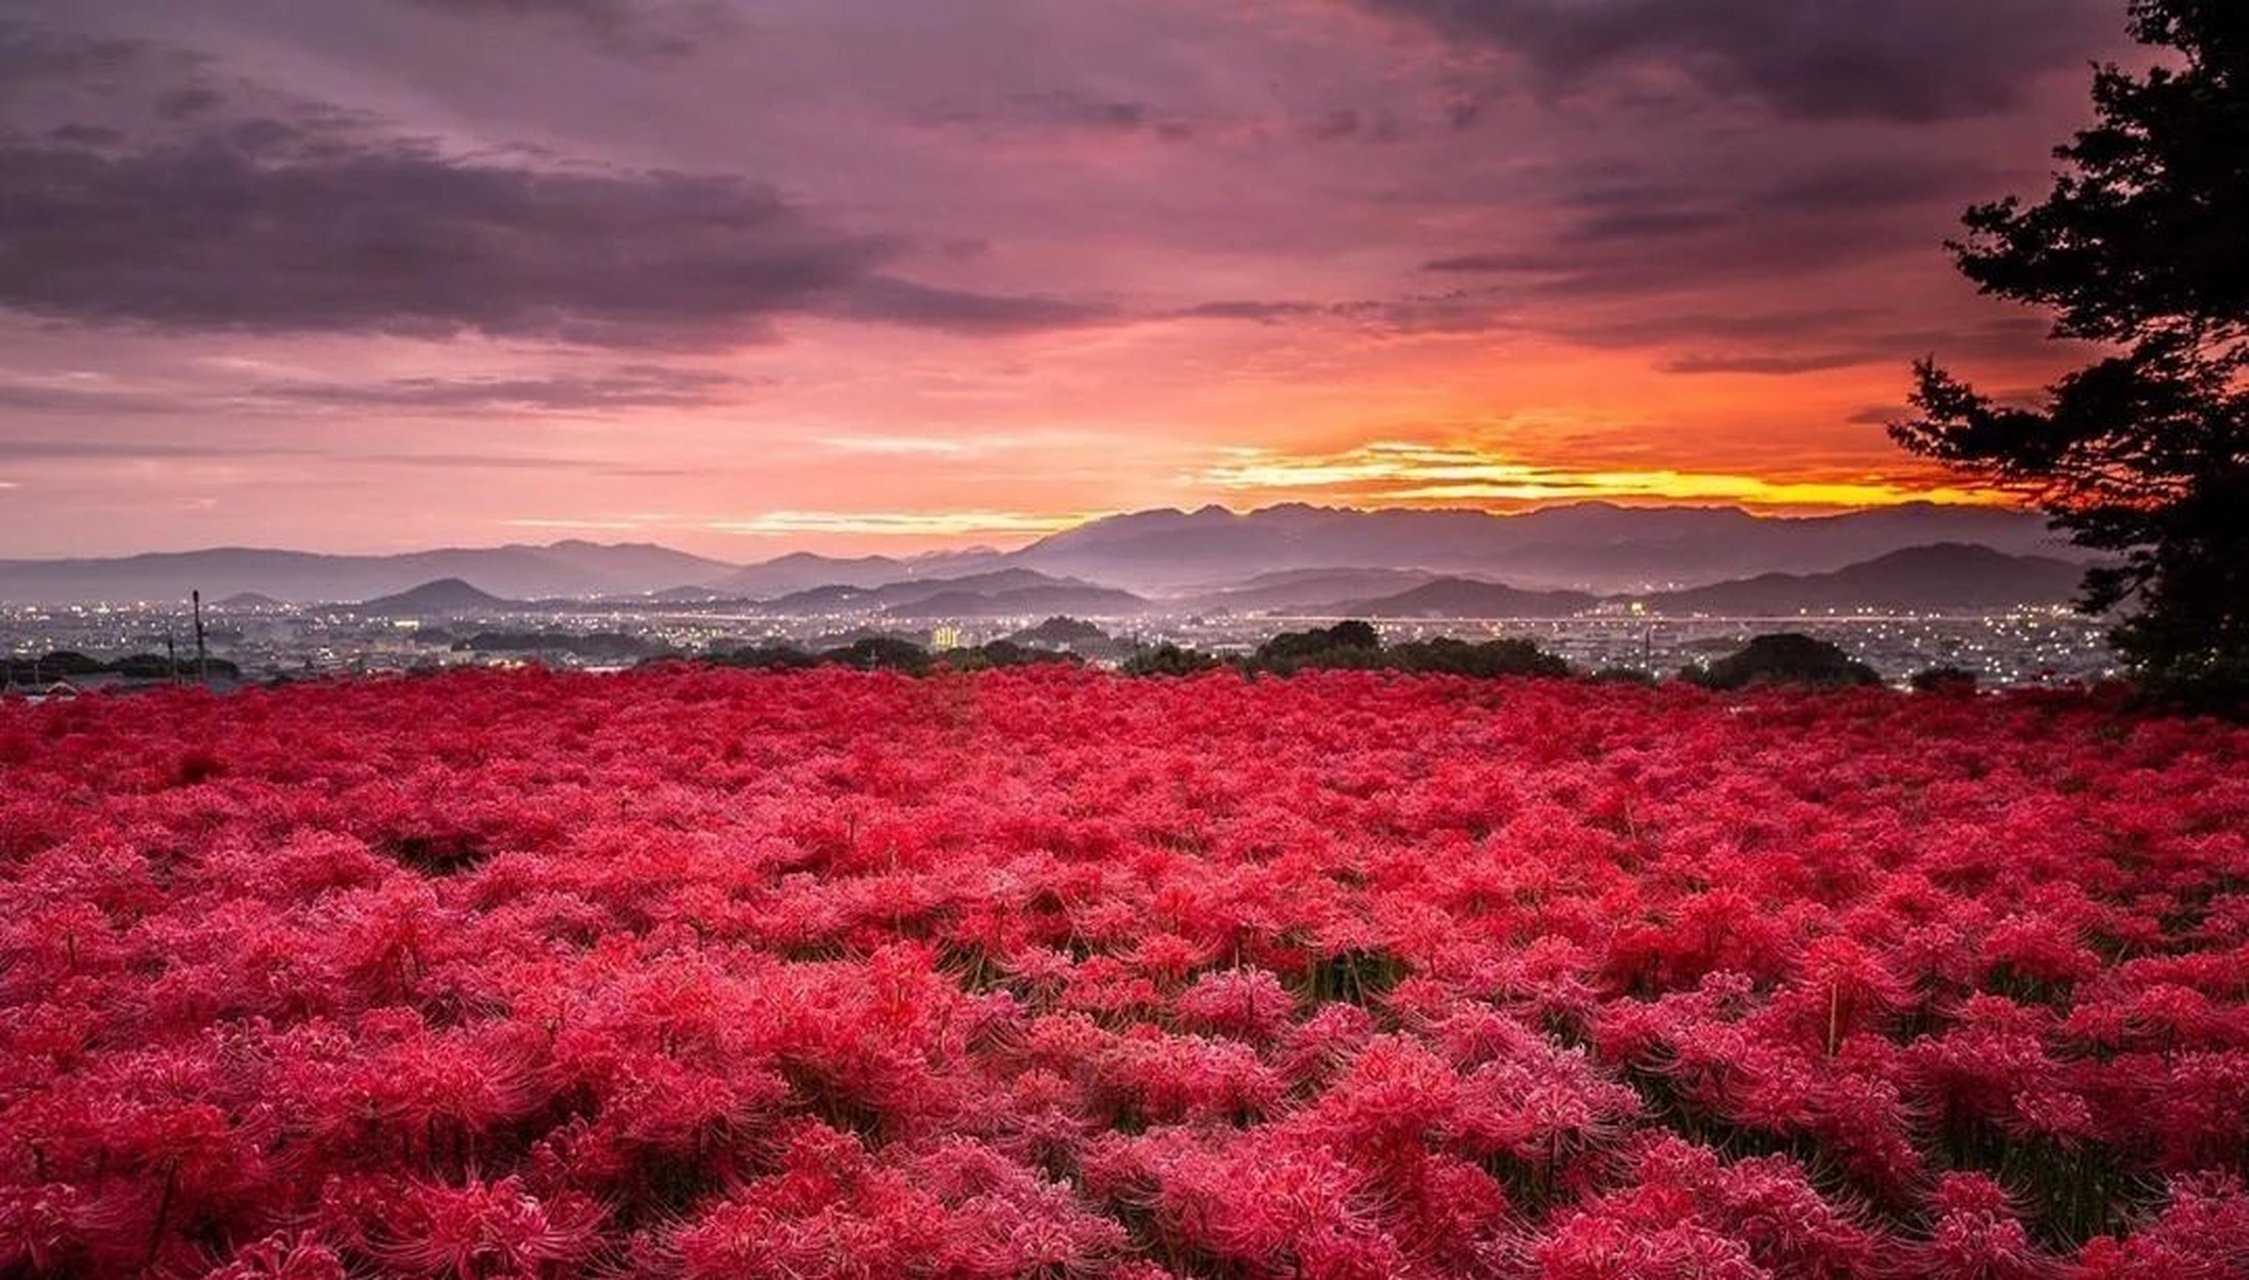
1902,60
399,239
640,27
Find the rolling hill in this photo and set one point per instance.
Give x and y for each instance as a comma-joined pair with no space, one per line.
562,569
1287,557
1943,577
1465,598
1592,546
837,598
1289,590
1078,600
444,596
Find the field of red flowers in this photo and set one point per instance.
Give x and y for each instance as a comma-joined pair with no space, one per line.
706,974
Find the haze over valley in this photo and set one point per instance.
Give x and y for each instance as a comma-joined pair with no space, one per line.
1908,588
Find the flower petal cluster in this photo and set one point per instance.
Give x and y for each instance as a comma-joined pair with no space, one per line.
692,974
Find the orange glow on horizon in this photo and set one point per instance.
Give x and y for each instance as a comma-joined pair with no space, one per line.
844,283
1397,473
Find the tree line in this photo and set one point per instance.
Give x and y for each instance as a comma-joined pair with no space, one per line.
1355,645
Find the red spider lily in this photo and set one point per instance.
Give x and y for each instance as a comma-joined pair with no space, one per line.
1541,1110
486,1230
282,1256
833,1211
1588,1247
1394,1100
1264,1206
1248,1004
1842,987
2202,1233
1977,1237
1321,1044
40,1228
1052,974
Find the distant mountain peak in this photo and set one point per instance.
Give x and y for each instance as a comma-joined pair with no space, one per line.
1594,546
437,595
588,544
1943,553
1930,578
1466,598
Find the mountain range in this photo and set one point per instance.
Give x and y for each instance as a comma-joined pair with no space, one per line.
1464,598
571,568
1592,546
1942,577
1279,558
1931,579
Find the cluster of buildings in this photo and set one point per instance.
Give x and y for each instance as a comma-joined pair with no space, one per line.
270,640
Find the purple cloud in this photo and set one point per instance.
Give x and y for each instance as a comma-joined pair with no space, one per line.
1904,60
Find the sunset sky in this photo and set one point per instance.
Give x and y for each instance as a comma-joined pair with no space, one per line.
745,276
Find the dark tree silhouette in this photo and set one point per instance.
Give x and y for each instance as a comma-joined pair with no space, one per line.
2143,247
1784,658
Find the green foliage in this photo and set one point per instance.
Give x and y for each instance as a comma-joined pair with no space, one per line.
66,665
881,653
889,653
1004,653
872,653
1784,658
1357,646
613,646
1061,632
1944,679
782,657
63,662
146,666
1359,976
1169,660
1346,644
2144,453
1509,657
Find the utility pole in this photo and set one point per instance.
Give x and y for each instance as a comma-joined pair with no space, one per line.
202,659
171,658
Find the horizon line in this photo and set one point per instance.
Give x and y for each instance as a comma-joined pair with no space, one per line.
1784,512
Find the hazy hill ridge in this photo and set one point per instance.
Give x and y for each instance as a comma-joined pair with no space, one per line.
1590,546
581,569
445,595
1934,578
1201,556
1941,578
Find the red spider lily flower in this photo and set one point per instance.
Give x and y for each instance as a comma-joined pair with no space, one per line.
1247,1004
1977,1236
486,1229
697,973
282,1256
